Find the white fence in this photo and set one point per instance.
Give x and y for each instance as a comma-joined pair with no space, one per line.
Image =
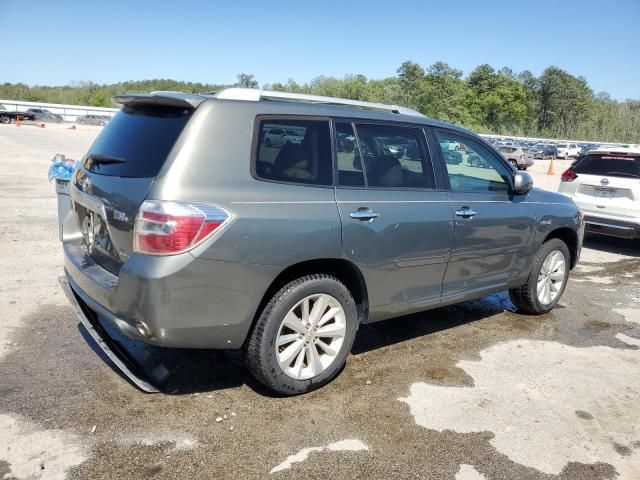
69,112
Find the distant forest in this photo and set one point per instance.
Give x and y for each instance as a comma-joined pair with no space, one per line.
555,104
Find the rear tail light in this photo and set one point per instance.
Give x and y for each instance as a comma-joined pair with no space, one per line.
169,228
568,175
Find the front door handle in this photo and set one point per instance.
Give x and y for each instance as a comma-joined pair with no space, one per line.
466,212
364,214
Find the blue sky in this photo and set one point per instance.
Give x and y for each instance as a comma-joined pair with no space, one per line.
57,42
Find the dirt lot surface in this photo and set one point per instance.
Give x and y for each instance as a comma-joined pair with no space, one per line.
473,391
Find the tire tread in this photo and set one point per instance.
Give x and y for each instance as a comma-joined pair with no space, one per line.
525,297
255,362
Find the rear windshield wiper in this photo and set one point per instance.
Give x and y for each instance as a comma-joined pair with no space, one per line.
105,159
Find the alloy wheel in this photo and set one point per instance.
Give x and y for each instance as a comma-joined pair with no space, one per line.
551,277
310,336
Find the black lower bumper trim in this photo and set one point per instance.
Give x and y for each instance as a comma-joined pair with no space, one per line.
127,364
614,228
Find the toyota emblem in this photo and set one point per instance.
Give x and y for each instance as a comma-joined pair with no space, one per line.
604,182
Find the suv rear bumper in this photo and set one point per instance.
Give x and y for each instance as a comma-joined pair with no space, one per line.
184,302
612,227
526,162
127,364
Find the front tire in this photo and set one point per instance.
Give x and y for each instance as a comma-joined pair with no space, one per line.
303,336
6,119
547,280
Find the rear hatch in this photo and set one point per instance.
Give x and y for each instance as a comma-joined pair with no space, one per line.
116,173
609,184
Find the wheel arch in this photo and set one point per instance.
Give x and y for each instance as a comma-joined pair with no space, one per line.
344,270
570,238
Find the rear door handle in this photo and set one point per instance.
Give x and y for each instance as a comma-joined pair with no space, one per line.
466,212
364,214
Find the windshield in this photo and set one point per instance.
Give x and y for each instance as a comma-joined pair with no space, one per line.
610,165
562,145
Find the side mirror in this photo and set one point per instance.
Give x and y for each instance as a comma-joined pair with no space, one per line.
522,183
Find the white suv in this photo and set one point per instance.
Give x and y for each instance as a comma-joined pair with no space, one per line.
605,184
566,150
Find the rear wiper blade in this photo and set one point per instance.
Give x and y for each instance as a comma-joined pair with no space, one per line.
105,159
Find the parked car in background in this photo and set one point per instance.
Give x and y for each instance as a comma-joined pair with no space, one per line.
452,157
345,142
100,120
277,137
450,145
536,149
548,151
605,184
584,148
8,116
545,151
516,157
187,232
44,115
566,150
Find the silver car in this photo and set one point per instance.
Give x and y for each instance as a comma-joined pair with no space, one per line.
516,157
186,229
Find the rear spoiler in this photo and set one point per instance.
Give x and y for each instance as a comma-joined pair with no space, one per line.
168,99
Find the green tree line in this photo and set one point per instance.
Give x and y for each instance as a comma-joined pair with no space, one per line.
555,104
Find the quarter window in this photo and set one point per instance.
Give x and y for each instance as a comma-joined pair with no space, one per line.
296,151
471,166
392,157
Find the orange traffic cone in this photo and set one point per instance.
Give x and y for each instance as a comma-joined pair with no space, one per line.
42,125
550,170
17,120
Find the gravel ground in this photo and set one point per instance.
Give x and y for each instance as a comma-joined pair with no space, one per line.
472,391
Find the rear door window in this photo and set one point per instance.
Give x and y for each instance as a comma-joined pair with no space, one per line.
350,172
293,151
392,156
137,141
609,165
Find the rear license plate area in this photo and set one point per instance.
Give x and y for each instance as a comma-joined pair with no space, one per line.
94,230
605,192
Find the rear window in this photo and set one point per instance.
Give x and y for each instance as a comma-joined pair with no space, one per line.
610,165
293,151
138,139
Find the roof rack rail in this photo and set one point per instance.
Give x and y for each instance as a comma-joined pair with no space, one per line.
255,95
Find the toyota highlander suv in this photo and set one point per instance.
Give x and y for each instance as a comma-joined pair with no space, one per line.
605,184
189,227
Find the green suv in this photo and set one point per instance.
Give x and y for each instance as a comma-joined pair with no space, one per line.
190,226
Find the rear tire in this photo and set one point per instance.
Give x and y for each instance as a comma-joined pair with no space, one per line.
550,271
6,119
287,351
